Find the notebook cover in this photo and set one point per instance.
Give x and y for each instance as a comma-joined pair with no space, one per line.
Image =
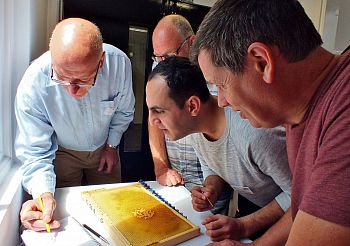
136,215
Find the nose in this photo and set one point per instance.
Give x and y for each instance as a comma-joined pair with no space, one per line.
73,89
222,102
153,120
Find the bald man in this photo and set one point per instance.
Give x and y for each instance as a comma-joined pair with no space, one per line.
72,106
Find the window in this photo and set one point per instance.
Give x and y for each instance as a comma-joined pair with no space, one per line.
23,27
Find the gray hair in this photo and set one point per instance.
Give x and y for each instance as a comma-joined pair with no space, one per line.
182,25
232,25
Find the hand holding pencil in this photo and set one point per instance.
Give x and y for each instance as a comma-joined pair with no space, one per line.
203,198
34,217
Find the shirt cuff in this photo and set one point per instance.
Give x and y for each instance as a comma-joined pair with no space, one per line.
42,185
283,199
113,138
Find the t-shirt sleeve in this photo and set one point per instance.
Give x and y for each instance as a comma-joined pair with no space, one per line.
271,156
327,195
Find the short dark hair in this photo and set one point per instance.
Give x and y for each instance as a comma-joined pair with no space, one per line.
232,25
183,78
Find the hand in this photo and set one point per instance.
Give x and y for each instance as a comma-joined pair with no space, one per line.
169,177
109,160
220,227
200,196
33,218
228,242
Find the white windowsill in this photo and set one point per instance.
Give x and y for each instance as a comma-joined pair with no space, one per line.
10,204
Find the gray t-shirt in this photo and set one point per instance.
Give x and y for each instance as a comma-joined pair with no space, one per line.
252,160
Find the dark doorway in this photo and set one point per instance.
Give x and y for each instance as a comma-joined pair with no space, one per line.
128,25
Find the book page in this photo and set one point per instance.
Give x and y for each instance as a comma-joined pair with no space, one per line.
69,233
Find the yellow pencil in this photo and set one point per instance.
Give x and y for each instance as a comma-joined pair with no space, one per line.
48,229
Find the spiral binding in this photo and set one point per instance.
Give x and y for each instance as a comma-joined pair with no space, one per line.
144,184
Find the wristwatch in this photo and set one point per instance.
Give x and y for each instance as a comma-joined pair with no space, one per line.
113,146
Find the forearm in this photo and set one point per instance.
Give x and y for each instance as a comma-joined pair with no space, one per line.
313,231
38,178
158,149
124,114
216,182
261,219
119,124
278,233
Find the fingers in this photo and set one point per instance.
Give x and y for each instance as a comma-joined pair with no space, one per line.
210,219
199,200
33,218
49,206
109,167
170,177
108,161
214,225
225,242
102,164
171,180
209,193
173,177
39,225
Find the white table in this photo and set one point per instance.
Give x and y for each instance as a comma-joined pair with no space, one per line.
69,203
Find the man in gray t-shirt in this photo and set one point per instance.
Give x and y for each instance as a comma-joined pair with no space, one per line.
253,161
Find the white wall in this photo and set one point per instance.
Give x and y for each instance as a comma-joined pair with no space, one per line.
208,3
336,31
343,28
38,20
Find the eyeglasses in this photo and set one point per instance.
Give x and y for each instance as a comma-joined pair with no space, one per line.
163,57
67,83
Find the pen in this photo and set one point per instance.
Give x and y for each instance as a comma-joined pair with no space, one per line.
42,209
95,233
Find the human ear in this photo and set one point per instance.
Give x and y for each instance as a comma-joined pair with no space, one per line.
264,63
102,59
193,105
191,40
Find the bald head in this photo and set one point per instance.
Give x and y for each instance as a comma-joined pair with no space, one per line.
174,23
169,33
75,40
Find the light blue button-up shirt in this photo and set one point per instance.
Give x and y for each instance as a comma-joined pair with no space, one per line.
48,116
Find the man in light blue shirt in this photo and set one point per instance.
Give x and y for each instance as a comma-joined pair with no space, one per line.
72,107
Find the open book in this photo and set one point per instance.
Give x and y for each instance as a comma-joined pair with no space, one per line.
69,233
136,215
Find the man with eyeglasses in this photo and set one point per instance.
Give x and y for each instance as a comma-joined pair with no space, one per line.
72,106
175,162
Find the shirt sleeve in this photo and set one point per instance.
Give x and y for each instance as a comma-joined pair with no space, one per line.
271,156
35,143
125,108
327,194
